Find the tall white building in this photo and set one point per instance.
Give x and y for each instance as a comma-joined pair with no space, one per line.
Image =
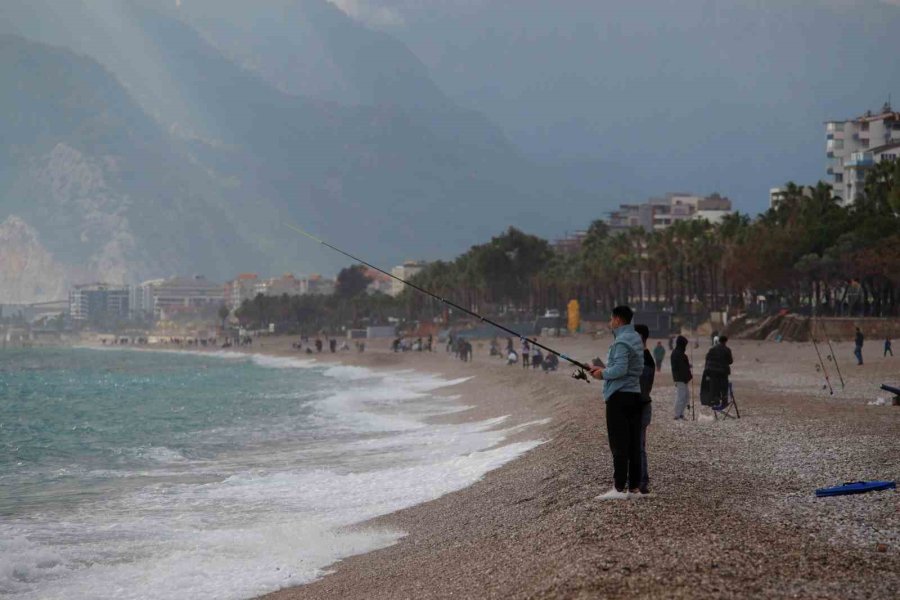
856,145
405,271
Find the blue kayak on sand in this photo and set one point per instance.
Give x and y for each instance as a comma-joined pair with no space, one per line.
856,487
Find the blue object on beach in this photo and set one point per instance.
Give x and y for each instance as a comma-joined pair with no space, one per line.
856,487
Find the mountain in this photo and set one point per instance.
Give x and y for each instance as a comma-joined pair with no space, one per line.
140,149
93,177
698,95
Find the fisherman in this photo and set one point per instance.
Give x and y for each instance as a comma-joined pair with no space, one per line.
622,394
887,347
715,374
659,353
537,359
857,350
647,377
332,345
681,373
526,350
318,344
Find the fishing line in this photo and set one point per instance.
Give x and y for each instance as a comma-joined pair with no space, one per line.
819,354
582,368
830,349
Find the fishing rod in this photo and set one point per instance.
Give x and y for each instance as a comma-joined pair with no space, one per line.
830,349
581,373
819,354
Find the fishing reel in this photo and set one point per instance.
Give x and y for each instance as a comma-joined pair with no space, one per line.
581,374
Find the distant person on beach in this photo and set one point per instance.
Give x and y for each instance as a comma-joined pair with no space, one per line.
887,347
318,345
332,344
681,373
537,359
659,353
857,350
526,350
647,377
511,357
622,394
714,385
551,363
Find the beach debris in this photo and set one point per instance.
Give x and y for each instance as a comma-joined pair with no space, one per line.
878,402
855,487
881,547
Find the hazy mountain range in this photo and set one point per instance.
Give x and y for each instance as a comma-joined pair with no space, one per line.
143,138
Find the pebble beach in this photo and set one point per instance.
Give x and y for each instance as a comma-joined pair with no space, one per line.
733,512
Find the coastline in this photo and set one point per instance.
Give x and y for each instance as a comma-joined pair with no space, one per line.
733,512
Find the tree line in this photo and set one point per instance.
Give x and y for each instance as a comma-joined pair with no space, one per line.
810,252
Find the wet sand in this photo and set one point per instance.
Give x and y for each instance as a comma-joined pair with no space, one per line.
732,515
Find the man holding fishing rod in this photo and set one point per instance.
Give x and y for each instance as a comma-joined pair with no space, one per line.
621,381
622,393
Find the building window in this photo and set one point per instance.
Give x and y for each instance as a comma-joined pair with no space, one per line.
864,142
838,177
888,157
864,126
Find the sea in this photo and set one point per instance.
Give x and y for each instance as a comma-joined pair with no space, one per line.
153,474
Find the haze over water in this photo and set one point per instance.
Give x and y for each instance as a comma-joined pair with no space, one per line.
128,474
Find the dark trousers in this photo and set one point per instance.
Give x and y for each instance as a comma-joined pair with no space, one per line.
646,417
623,427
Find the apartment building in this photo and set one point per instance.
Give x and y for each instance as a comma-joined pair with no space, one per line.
98,301
660,213
856,145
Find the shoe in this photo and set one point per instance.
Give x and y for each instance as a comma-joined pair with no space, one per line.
644,492
612,494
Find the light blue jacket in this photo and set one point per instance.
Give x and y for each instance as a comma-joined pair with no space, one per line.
625,362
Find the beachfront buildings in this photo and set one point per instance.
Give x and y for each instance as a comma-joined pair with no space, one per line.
570,243
98,302
247,286
179,295
408,269
856,145
778,194
242,287
660,213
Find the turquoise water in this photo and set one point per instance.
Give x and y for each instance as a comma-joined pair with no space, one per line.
70,419
135,474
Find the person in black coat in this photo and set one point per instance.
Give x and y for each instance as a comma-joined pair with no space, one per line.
648,374
714,385
681,374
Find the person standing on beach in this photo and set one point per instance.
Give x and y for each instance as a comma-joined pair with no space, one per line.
622,394
647,377
887,347
659,353
717,369
526,349
681,373
857,350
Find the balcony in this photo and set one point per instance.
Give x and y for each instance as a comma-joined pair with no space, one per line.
860,159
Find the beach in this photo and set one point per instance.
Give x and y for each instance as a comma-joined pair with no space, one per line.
732,514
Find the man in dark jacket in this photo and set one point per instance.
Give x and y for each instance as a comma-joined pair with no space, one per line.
647,377
714,386
681,373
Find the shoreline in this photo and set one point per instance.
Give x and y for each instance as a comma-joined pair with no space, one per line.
733,512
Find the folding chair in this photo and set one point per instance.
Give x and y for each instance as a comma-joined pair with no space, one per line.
724,410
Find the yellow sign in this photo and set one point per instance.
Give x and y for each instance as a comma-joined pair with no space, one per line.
574,316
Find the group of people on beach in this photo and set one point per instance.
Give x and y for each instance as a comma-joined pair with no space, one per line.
628,376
